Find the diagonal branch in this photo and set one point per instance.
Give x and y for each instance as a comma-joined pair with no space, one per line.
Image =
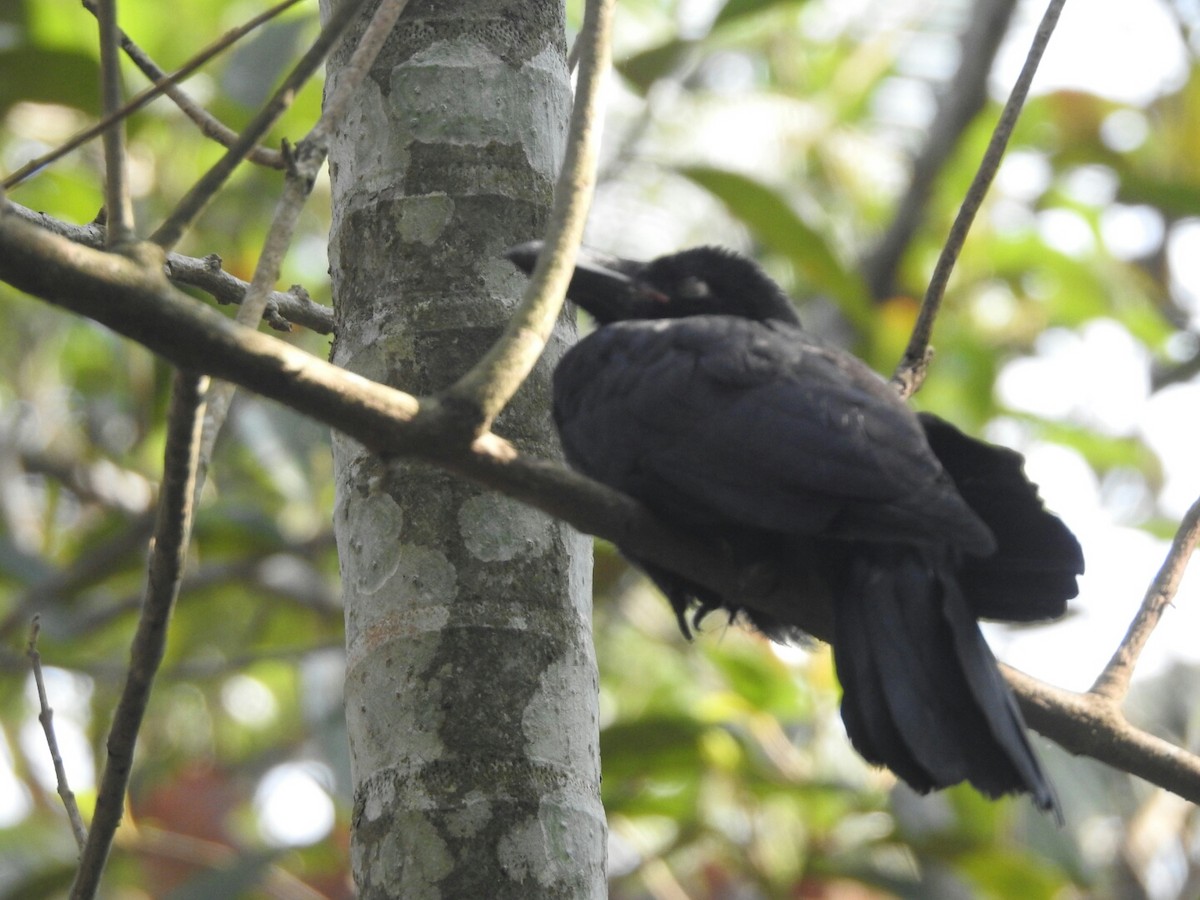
161,86
193,203
209,125
283,307
46,717
171,533
486,389
1113,682
911,371
139,303
303,167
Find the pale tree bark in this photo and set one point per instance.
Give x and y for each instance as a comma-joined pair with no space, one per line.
471,688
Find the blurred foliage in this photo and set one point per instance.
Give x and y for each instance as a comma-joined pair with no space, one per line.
765,124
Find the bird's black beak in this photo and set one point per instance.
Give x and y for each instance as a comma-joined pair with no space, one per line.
606,286
610,271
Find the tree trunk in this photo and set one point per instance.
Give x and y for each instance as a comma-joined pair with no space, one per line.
471,687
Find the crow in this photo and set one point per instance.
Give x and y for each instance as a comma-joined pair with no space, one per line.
699,394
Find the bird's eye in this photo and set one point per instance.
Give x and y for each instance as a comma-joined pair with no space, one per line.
693,288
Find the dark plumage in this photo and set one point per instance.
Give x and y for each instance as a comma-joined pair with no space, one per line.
700,395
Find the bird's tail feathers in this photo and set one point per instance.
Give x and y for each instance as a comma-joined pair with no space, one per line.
1031,576
921,691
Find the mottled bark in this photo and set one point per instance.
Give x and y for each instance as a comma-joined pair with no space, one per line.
471,680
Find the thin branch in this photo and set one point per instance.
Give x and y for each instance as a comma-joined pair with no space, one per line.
309,156
46,717
194,202
911,370
1113,682
172,531
350,78
303,167
965,95
129,299
490,384
118,207
159,87
210,126
573,54
283,307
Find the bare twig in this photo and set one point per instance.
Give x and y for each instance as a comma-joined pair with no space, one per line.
122,295
169,232
159,87
350,78
309,156
172,530
303,167
283,307
118,207
46,717
491,383
209,125
911,370
1113,682
965,96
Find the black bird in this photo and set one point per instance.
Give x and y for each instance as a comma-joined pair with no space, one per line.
699,395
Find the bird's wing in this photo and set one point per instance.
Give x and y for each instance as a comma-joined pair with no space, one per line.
715,420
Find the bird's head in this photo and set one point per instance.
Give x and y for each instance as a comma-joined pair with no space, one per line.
696,282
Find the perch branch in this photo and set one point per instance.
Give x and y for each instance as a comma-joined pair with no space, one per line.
138,302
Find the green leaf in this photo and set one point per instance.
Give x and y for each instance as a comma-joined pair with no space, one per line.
34,75
737,9
643,69
660,744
